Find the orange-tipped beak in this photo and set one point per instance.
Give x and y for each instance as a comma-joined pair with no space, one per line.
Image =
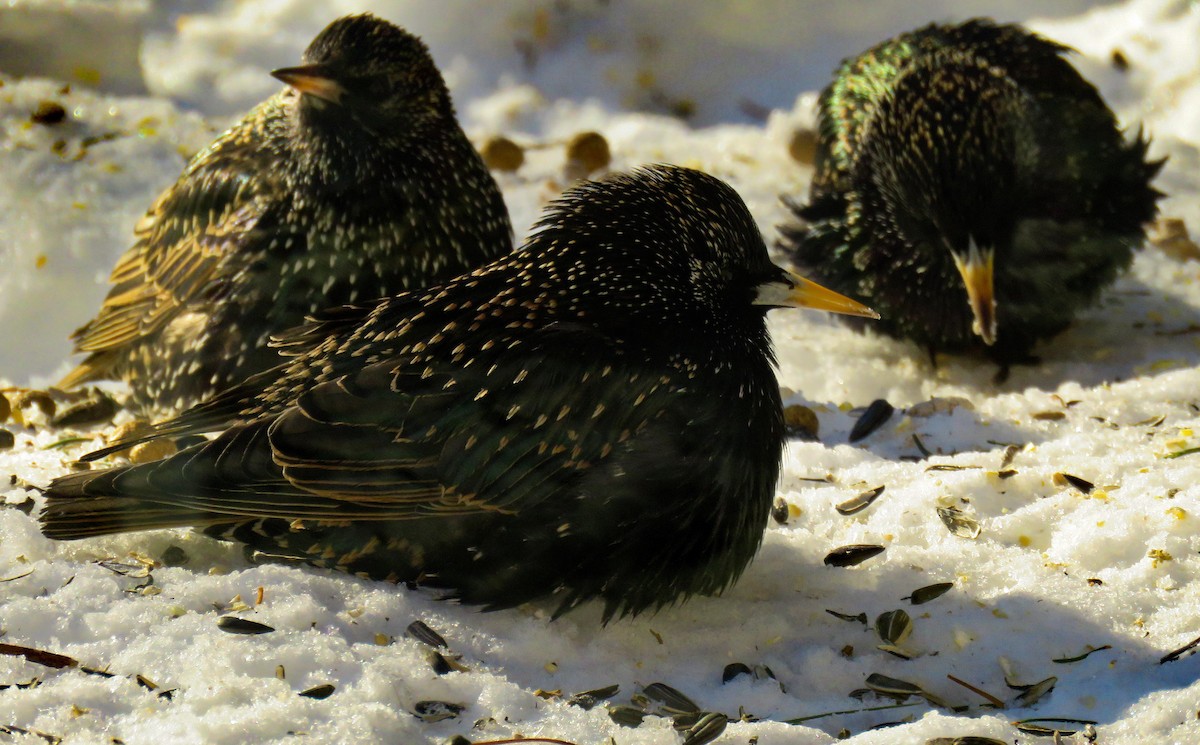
977,270
798,292
313,80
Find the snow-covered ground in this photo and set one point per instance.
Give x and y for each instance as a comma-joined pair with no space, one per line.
1053,573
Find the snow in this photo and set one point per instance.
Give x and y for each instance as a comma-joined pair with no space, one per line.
1053,573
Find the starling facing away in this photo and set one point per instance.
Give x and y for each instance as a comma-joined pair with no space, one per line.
594,415
354,182
972,188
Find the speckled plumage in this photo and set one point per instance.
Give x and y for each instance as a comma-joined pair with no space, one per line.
360,188
594,415
974,134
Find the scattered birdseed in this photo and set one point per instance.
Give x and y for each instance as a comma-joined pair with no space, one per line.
1065,479
801,422
929,592
803,146
872,419
960,523
860,502
848,556
146,452
1119,60
48,113
420,631
173,556
1035,692
40,399
97,407
938,405
967,740
1049,416
587,152
502,154
626,716
235,625
706,729
779,511
734,669
672,699
7,439
437,711
325,690
588,699
893,626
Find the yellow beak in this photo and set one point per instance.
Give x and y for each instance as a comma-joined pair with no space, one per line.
313,80
798,292
977,272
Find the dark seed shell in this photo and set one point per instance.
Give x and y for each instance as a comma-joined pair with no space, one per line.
5,408
968,740
437,711
894,626
1083,485
670,697
173,556
848,556
706,729
40,399
626,716
1035,692
502,154
895,651
587,699
99,408
801,422
861,617
872,419
734,669
893,686
959,523
860,502
779,511
325,690
1010,454
588,152
420,631
929,592
7,439
48,113
235,625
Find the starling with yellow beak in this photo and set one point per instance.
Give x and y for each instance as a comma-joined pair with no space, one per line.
972,187
593,416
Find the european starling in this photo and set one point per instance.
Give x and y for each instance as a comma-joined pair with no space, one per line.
972,187
594,415
352,183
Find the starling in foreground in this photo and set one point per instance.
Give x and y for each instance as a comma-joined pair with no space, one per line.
594,415
972,188
354,182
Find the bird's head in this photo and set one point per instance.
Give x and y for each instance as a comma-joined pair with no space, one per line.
363,70
945,151
672,251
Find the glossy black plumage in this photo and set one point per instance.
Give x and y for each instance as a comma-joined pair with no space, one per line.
352,183
594,415
974,135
